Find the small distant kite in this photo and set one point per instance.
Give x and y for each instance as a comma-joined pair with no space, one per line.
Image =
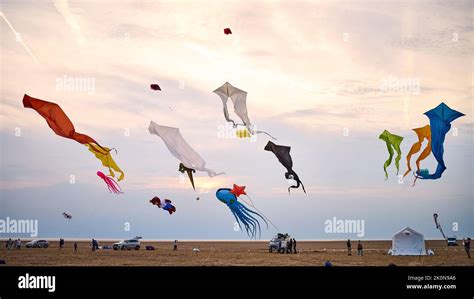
227,31
165,205
178,147
62,126
239,99
440,124
393,142
243,133
155,87
111,183
283,155
67,216
242,214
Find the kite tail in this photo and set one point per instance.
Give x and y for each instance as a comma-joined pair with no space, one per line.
211,172
389,160
260,132
415,148
269,220
111,183
248,220
247,211
397,159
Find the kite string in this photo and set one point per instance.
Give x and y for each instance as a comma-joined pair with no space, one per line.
251,204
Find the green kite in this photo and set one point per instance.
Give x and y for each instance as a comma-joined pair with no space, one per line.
393,142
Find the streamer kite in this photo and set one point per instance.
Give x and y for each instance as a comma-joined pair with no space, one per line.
61,125
239,99
178,147
243,215
165,205
393,142
422,133
282,153
440,124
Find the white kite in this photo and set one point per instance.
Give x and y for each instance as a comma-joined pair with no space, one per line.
178,147
239,99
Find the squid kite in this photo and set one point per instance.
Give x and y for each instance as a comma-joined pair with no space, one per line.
178,147
239,99
440,124
165,205
283,155
393,142
110,182
422,133
62,126
242,214
227,31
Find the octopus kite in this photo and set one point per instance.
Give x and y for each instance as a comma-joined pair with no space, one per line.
393,142
62,126
242,214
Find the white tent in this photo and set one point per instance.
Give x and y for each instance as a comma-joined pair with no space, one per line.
408,242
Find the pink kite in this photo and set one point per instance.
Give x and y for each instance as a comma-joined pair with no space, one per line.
111,183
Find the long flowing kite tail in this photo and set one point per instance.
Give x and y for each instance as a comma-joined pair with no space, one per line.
263,132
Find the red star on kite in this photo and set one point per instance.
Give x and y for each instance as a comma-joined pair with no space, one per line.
238,190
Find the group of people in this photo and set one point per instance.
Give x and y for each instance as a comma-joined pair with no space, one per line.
360,248
13,244
95,245
292,245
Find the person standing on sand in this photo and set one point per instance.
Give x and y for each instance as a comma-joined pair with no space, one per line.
294,246
75,246
360,249
175,245
467,246
290,246
93,245
349,247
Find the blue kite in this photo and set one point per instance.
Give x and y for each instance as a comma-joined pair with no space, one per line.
241,213
440,123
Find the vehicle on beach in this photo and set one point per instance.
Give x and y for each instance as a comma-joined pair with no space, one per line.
37,244
452,241
280,243
127,244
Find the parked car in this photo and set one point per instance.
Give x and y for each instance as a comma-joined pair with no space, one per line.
127,244
37,244
452,242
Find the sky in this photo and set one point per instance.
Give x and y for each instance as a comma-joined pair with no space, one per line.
324,77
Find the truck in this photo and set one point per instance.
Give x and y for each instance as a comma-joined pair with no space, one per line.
280,243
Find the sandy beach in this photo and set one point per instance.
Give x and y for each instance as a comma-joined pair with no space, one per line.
230,253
